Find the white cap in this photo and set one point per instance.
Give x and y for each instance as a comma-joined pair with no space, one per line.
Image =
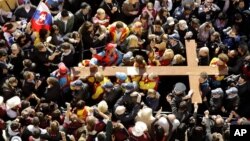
13,102
120,110
139,128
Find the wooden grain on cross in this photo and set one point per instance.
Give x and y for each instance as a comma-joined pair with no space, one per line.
192,70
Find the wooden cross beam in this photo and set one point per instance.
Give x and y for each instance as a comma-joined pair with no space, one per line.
192,70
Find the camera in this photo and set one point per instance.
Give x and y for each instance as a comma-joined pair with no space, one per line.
10,66
247,63
232,78
227,30
37,76
58,49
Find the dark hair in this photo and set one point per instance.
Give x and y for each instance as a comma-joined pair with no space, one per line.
64,13
119,25
183,106
85,27
36,133
8,26
139,59
14,125
157,22
2,43
204,75
53,81
25,104
35,121
84,5
42,34
65,45
80,104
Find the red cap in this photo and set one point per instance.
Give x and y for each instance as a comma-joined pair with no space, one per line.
62,68
110,46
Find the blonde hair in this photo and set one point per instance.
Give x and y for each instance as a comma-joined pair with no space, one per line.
204,51
217,137
102,106
178,58
168,54
100,11
133,41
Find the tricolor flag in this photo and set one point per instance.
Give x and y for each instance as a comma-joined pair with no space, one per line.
42,18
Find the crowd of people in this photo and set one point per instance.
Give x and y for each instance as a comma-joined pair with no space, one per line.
42,100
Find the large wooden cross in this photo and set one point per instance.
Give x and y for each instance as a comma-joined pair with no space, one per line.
192,70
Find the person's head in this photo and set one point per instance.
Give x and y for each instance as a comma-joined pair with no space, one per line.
217,93
102,106
119,26
80,104
66,47
87,27
91,122
85,8
133,41
78,85
150,6
41,47
182,24
178,59
188,8
65,15
163,12
179,89
27,3
54,126
215,37
99,77
241,4
195,23
222,16
168,54
120,110
183,106
157,26
152,93
203,77
144,18
101,14
15,49
101,136
209,2
108,86
27,63
198,133
12,81
52,81
223,59
43,34
238,18
137,28
232,53
219,121
29,76
204,52
35,121
139,60
242,79
3,55
56,114
36,133
242,48
217,137
14,126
